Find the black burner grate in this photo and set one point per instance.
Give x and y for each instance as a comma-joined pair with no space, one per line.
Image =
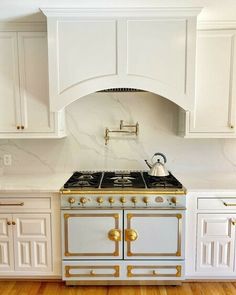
161,182
122,180
84,179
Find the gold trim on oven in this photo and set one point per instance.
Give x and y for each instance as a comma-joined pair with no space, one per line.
66,218
92,273
154,269
179,218
122,192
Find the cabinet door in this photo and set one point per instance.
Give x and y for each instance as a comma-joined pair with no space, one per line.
154,234
32,242
34,93
215,83
215,243
9,83
92,234
6,243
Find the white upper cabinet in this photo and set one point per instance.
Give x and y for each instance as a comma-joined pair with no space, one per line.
24,97
214,114
150,49
9,83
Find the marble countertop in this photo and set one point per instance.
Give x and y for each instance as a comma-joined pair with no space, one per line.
33,183
53,182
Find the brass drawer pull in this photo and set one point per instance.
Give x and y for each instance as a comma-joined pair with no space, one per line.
18,127
12,204
92,273
229,204
131,235
114,235
13,223
22,127
8,222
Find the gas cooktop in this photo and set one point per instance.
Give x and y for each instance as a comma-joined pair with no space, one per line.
120,180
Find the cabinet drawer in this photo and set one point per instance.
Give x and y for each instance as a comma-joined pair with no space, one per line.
90,270
154,270
24,204
223,203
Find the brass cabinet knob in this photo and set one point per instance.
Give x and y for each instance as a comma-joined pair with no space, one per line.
131,235
111,200
22,127
123,200
134,200
154,272
17,127
83,200
100,200
71,200
174,200
8,222
146,200
233,221
92,272
232,126
13,223
114,235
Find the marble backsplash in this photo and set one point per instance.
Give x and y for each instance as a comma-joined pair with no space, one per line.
84,148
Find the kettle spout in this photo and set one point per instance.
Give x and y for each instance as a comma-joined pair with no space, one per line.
149,165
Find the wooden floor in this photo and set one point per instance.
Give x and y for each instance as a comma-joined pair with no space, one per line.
51,288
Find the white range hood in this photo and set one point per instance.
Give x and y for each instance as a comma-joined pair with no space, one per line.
152,49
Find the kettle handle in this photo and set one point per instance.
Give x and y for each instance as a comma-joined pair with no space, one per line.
159,154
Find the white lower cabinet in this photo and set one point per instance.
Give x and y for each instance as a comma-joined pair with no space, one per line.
215,243
25,242
211,235
30,235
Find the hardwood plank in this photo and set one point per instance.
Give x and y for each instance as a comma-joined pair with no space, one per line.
59,288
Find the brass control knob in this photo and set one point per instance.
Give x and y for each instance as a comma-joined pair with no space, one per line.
174,200
146,200
123,200
134,200
111,200
83,200
100,200
71,200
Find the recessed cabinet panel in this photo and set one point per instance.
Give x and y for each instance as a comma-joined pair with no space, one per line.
92,234
33,67
6,243
9,83
92,51
215,83
32,239
156,50
153,234
215,243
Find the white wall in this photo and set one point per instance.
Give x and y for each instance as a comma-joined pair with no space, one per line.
29,10
84,147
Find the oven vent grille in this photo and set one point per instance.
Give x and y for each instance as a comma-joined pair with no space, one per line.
121,90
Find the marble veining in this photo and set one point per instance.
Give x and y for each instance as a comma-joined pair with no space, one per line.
84,148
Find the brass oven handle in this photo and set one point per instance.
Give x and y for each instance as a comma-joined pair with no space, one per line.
12,204
131,235
229,204
114,235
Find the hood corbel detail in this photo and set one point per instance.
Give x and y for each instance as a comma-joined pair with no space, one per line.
150,49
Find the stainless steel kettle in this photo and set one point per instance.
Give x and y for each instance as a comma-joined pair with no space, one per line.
157,168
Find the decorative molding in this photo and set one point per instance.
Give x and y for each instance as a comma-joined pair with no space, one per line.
216,25
23,26
122,11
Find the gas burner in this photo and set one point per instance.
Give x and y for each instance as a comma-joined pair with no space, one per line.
86,177
162,182
122,179
83,180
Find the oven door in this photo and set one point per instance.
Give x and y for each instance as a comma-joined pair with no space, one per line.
154,234
91,234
